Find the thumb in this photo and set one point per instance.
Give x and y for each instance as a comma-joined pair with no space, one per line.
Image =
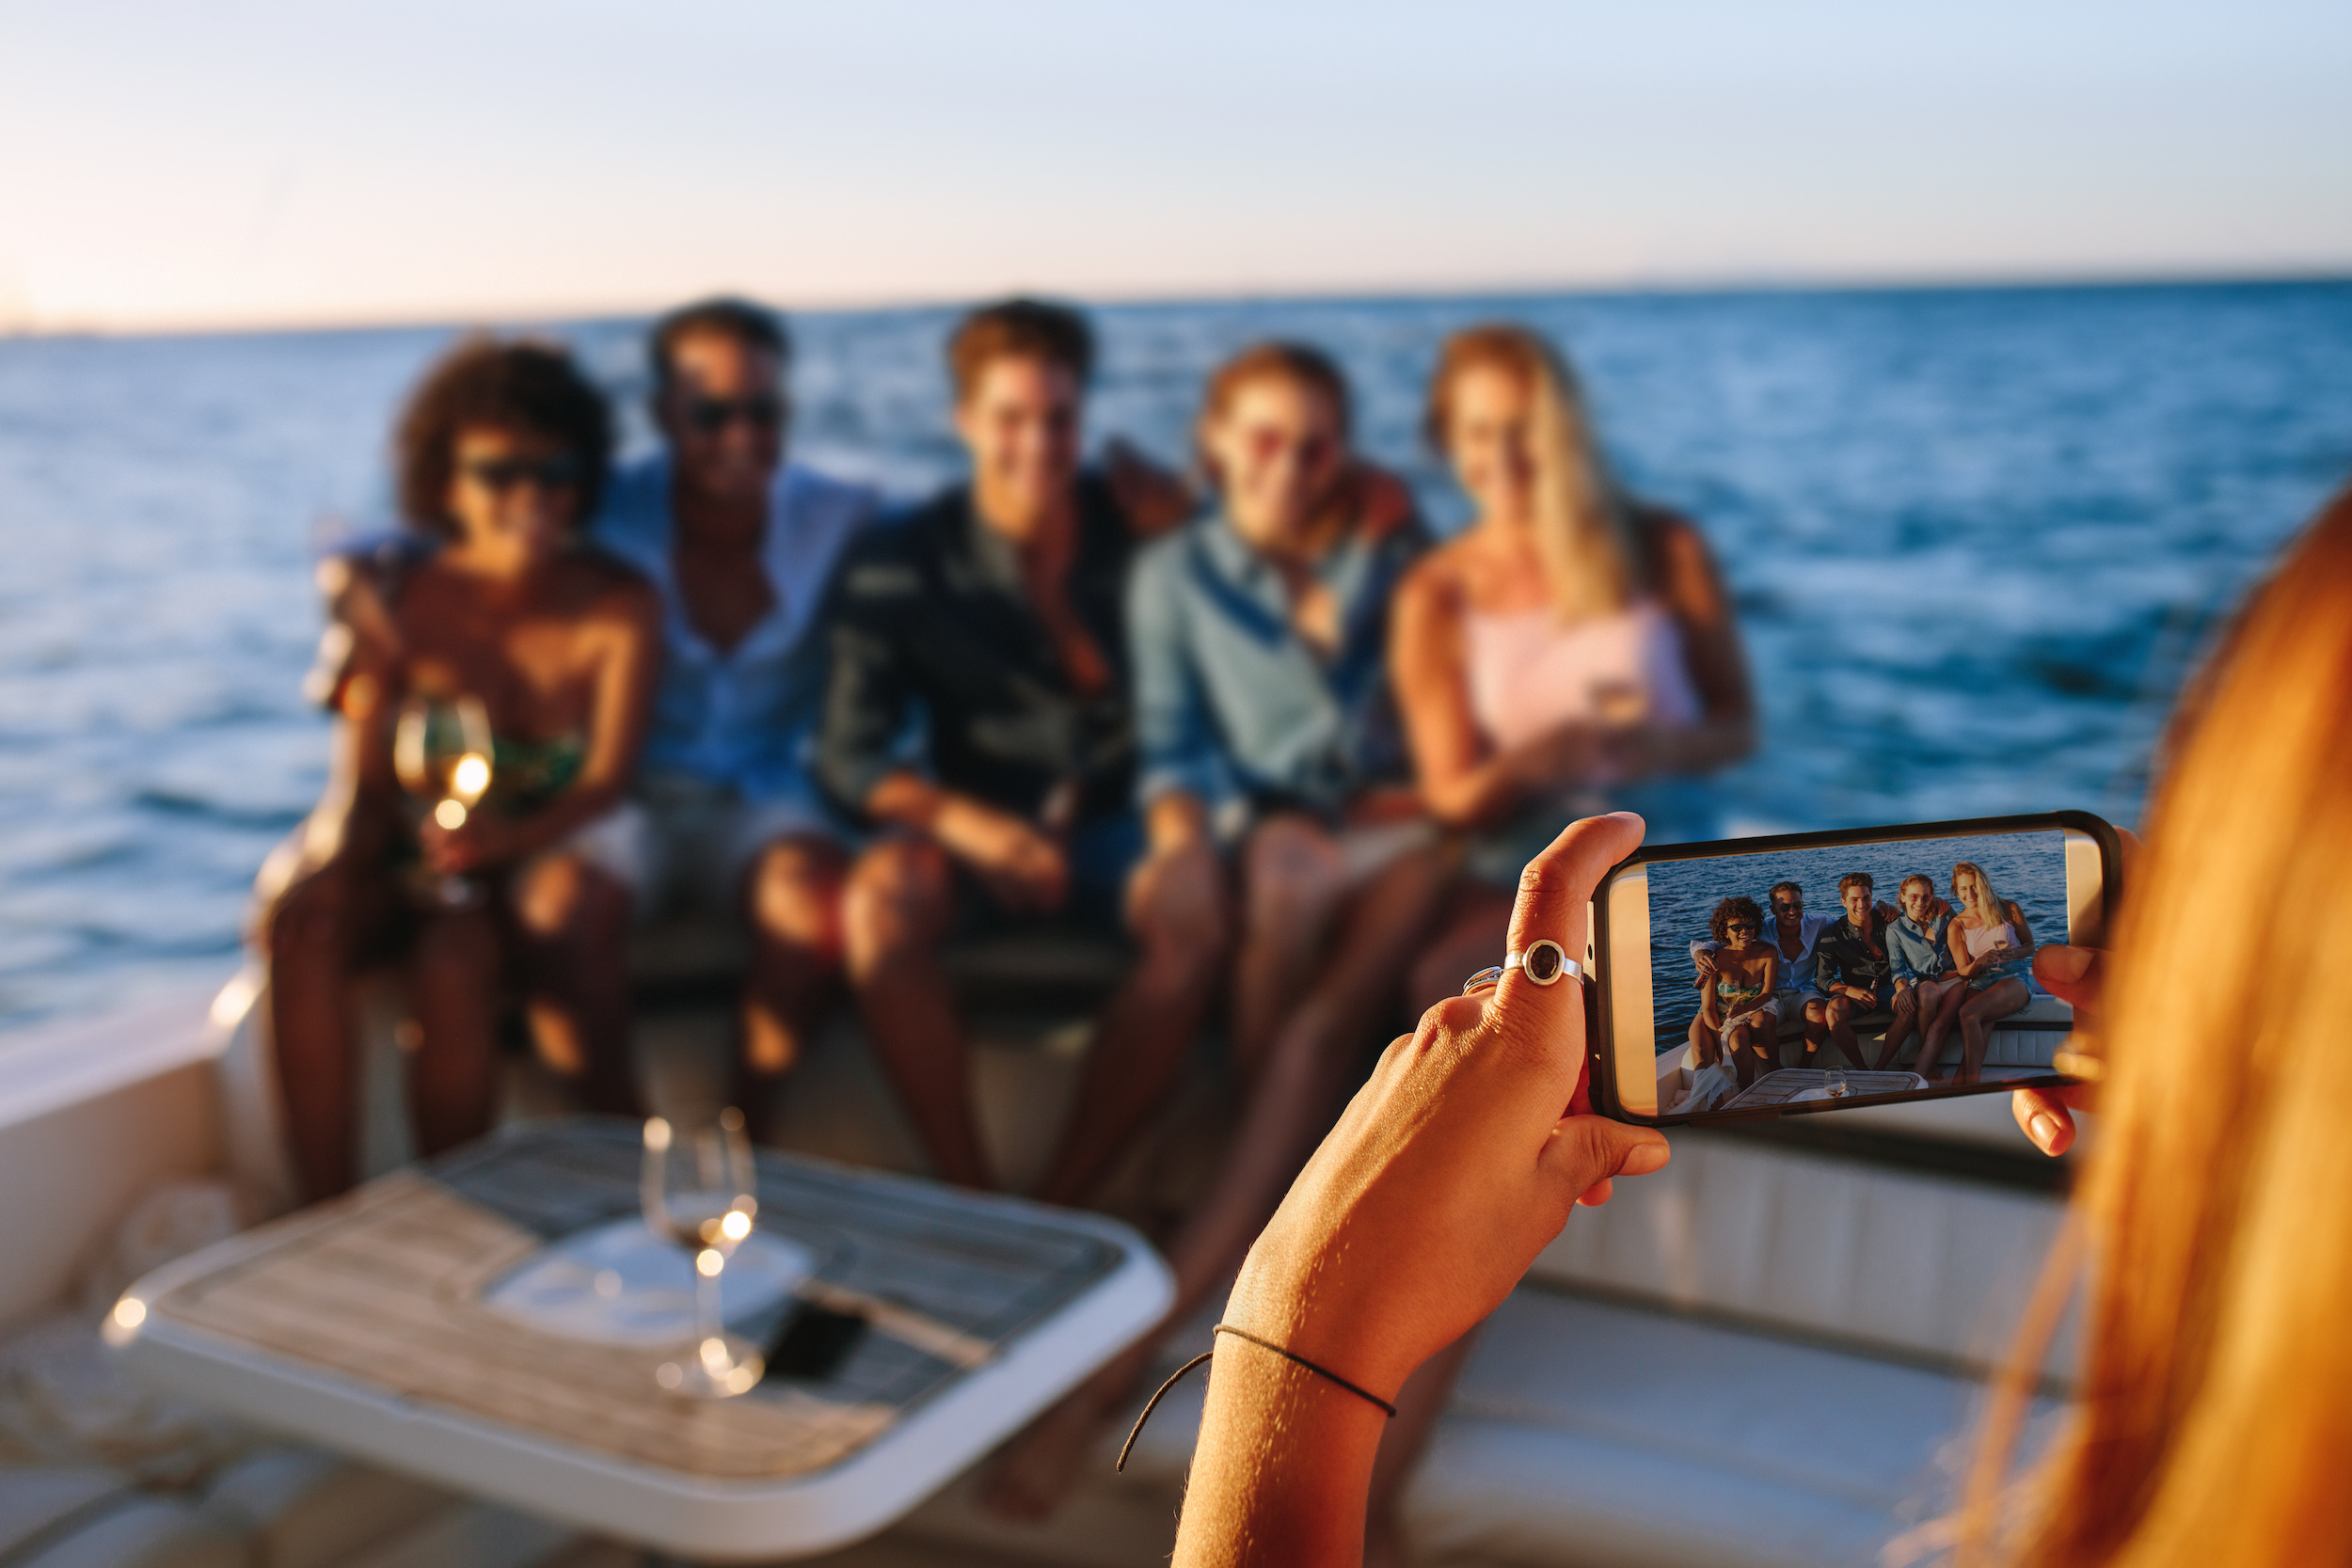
1585,1151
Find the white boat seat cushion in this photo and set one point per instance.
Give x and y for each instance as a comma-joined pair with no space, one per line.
1586,1432
1880,1259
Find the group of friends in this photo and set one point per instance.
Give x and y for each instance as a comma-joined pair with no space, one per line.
1931,965
1252,716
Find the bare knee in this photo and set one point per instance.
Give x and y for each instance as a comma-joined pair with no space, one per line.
310,916
1179,915
898,901
562,897
1292,877
795,894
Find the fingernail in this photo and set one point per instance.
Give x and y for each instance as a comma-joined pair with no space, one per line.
1646,1158
2044,1128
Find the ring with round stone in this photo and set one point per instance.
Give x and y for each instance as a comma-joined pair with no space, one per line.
1544,963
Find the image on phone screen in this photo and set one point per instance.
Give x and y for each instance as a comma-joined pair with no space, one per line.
1805,976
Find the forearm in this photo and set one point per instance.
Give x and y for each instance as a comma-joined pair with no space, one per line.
955,822
908,800
1477,794
1282,1469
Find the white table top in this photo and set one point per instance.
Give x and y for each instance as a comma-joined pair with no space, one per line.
359,1325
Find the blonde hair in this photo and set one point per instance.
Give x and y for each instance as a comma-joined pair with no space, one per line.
1583,528
2216,1409
1988,905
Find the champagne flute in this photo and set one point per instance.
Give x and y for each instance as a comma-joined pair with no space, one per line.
441,753
700,1190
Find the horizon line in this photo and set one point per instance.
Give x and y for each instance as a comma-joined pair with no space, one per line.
490,317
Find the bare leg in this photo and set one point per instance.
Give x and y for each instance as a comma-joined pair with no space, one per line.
573,923
311,939
1842,1010
1976,1018
1943,1012
793,906
455,972
894,916
1293,884
1177,909
1418,1405
1906,1020
1816,1028
1289,1105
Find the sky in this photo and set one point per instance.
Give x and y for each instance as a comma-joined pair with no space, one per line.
272,162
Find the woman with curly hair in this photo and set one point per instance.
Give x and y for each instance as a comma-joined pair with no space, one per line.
1736,1014
490,712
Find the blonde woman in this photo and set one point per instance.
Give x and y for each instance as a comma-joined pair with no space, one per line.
2209,1426
1991,947
1572,650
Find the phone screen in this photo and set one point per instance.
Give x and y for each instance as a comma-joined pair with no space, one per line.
1809,975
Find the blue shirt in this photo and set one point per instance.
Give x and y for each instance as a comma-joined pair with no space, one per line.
1919,955
1231,705
743,719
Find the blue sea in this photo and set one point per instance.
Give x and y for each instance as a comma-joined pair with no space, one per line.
2025,870
1976,538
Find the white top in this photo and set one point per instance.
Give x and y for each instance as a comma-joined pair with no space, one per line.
1981,938
1528,673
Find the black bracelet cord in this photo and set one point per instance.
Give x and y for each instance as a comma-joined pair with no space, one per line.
1178,1376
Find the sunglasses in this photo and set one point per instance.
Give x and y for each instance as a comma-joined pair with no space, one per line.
1740,926
498,475
1790,905
711,416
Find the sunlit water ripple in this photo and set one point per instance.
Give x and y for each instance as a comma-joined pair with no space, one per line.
1975,538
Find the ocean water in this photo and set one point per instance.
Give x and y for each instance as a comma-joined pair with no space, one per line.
2025,870
1976,539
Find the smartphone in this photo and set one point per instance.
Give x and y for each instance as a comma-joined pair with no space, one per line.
1782,976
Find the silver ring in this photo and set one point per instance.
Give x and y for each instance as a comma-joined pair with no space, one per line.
1486,979
1544,963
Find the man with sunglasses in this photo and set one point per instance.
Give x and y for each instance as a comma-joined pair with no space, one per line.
743,546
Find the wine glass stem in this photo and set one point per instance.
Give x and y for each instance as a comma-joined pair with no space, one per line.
707,1324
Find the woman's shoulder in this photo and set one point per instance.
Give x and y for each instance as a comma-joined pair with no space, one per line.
595,582
1438,578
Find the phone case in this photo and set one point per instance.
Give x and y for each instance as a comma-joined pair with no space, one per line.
1598,996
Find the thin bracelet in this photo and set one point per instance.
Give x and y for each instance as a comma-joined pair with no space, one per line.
1178,1375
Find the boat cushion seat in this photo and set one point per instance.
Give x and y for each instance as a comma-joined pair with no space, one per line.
1894,1262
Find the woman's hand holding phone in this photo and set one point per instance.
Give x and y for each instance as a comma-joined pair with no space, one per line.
2048,1116
2076,976
1454,1166
1456,1162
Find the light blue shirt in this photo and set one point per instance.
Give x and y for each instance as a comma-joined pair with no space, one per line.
1920,954
743,720
1231,705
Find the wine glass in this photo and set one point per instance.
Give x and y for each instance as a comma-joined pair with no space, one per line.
1837,1088
700,1190
441,753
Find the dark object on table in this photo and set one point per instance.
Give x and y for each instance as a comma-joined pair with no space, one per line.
812,1342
